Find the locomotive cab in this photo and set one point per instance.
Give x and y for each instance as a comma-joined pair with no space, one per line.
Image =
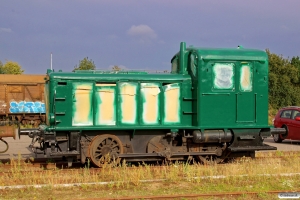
230,92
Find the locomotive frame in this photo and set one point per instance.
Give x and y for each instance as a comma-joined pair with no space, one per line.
212,106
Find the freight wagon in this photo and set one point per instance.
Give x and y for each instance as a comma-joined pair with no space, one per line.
212,106
22,99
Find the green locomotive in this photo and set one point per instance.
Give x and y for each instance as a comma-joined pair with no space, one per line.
212,106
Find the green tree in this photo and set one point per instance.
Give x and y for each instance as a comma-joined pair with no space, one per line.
85,64
10,67
296,62
283,82
116,68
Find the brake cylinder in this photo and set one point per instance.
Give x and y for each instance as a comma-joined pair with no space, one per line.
212,136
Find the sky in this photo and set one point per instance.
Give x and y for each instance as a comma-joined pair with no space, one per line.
139,34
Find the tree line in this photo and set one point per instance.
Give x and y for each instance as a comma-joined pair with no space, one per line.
10,67
284,77
284,81
88,64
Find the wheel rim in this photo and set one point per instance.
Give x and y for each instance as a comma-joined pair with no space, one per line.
104,149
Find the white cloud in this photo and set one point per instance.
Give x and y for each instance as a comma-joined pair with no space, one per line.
142,32
5,30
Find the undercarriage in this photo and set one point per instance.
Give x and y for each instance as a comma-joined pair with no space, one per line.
112,147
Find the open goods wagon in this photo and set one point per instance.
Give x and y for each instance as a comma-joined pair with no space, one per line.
212,106
22,99
21,102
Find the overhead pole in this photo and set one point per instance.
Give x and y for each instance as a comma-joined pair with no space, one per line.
51,61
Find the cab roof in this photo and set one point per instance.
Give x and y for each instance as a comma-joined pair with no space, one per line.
229,54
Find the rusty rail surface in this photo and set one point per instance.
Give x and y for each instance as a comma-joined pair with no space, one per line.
192,196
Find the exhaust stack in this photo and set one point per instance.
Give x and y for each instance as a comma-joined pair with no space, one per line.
182,57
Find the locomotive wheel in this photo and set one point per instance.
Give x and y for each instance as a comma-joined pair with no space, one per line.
210,159
104,150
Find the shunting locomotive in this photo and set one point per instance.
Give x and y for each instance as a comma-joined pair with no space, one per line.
212,106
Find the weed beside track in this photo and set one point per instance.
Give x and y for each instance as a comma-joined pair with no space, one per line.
243,175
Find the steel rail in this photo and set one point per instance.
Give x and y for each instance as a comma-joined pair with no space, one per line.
221,194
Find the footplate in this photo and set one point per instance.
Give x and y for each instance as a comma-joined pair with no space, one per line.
252,148
65,153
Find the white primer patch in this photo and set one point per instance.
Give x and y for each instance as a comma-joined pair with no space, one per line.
223,75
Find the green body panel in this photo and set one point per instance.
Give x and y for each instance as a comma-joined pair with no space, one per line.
207,89
128,103
103,102
150,103
82,106
172,104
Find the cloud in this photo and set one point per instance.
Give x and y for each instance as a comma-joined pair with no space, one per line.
5,30
142,32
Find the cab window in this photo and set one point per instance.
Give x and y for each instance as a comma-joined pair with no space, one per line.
193,64
223,76
175,66
246,77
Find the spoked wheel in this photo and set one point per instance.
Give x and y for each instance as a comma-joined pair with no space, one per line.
104,149
210,159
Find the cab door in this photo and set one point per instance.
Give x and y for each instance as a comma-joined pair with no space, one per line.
245,96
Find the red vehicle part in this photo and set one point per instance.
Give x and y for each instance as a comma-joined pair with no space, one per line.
288,118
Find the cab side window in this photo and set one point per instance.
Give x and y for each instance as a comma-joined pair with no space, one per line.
223,76
175,65
246,77
193,64
286,114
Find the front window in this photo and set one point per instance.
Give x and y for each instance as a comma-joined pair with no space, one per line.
223,76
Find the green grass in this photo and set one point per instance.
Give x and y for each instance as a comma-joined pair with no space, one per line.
243,175
251,184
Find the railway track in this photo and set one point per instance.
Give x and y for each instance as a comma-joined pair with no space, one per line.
222,195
